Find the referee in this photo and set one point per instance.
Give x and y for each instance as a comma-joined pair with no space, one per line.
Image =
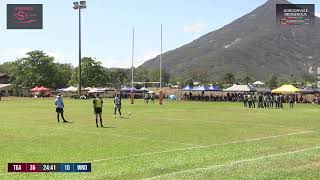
97,106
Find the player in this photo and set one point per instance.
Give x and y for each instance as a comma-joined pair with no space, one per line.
59,108
117,105
291,101
152,98
97,106
146,98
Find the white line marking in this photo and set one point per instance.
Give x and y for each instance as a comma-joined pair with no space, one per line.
199,147
120,135
243,123
127,136
231,163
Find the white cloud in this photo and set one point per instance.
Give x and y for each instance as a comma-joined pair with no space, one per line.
118,62
58,56
195,28
317,14
12,54
150,54
115,62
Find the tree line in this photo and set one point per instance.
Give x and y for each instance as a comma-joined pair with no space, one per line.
39,69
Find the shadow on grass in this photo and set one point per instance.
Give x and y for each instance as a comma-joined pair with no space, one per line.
69,122
124,118
108,127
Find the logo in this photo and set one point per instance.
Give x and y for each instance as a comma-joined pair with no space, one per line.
24,16
283,21
295,14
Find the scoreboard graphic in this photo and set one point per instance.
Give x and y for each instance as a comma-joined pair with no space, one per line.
48,167
295,14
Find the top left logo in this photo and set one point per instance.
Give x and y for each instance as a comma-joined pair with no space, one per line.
24,16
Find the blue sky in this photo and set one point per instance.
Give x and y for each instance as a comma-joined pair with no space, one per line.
107,27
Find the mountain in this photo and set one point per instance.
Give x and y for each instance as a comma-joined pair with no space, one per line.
251,45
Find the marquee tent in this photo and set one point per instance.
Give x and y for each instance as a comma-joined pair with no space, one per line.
187,88
286,89
40,89
213,88
263,90
96,90
144,89
35,89
309,90
87,89
258,83
239,88
131,89
200,88
70,89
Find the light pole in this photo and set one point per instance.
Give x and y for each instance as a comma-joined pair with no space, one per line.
161,93
78,6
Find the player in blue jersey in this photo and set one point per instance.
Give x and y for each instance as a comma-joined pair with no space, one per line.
60,108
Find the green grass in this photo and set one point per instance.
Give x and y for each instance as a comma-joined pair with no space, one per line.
179,140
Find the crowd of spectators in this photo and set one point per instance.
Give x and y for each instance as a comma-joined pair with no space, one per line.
241,97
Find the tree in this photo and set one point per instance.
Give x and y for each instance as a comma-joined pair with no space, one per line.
218,84
308,78
6,67
119,77
142,75
189,82
229,78
64,72
155,76
273,82
37,69
93,74
246,80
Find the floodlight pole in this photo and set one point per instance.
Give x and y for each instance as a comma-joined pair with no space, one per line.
79,73
78,6
132,93
161,61
132,57
161,93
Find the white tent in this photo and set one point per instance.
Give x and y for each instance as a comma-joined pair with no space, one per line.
70,89
258,83
96,90
107,89
144,89
239,88
88,88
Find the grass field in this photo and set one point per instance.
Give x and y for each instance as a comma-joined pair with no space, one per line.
179,140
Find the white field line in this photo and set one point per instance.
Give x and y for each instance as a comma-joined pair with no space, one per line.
242,123
232,163
200,147
120,135
127,136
